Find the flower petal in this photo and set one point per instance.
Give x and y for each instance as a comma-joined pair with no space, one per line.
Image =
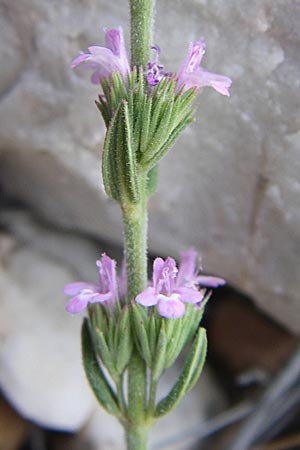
170,307
191,75
189,295
76,304
79,59
76,287
209,281
187,267
107,275
218,82
194,57
147,298
115,42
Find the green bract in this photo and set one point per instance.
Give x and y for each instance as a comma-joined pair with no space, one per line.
142,122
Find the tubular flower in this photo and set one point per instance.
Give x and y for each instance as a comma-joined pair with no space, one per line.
104,291
192,75
166,293
188,274
104,61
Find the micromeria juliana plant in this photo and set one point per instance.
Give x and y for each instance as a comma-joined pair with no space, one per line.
136,329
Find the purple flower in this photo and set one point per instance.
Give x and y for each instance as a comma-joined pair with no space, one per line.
154,70
104,61
171,288
188,274
166,293
104,291
192,75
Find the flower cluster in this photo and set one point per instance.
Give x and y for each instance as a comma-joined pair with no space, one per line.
104,61
170,290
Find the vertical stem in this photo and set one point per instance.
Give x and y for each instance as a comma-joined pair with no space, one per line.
137,438
152,394
141,21
135,248
135,242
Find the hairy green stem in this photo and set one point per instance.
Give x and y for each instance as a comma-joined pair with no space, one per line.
135,244
141,21
135,248
137,438
152,394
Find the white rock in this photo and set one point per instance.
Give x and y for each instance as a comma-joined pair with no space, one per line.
40,362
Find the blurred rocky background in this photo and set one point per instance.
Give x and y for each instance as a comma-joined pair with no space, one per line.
230,188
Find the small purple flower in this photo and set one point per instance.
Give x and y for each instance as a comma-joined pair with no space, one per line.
104,61
166,293
104,291
192,75
154,70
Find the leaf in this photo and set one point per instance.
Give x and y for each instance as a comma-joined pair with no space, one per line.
159,357
119,166
149,164
109,173
97,380
140,322
129,157
104,352
188,377
151,181
124,347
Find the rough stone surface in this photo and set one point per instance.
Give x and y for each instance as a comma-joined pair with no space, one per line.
234,175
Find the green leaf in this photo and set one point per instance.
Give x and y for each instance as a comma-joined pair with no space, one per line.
119,166
131,79
145,125
152,332
171,139
97,380
159,357
175,340
140,322
151,181
129,158
189,375
124,347
109,169
161,131
105,354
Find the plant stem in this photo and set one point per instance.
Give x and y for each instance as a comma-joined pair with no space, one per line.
152,394
141,21
135,248
135,243
136,438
